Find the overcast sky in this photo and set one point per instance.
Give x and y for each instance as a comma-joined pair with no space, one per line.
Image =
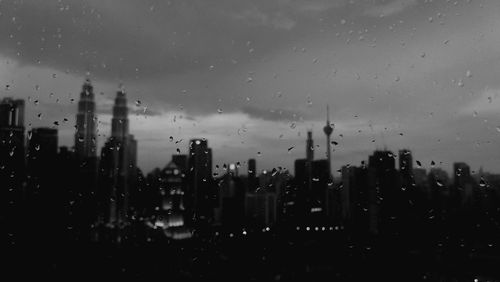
253,75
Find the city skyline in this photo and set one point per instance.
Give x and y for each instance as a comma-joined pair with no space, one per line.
250,140
423,74
120,129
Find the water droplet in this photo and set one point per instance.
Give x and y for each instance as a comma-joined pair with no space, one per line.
138,103
482,182
468,73
343,21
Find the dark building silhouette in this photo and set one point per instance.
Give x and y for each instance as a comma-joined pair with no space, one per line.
118,171
252,175
385,180
312,198
309,159
12,161
328,130
171,215
84,186
181,161
42,151
462,190
405,162
358,200
202,193
231,206
320,180
86,121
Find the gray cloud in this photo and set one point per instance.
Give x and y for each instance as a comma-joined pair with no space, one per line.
402,72
273,114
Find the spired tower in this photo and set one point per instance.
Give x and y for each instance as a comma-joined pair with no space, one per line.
117,167
309,159
328,129
85,136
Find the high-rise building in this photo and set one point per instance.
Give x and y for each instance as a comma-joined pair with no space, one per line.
181,161
462,191
405,162
12,159
202,194
118,167
358,202
230,211
42,150
385,181
171,213
12,138
252,175
309,160
85,136
328,130
461,174
309,147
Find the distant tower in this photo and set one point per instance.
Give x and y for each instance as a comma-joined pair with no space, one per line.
12,166
328,130
309,147
252,173
200,175
309,159
119,122
85,136
118,166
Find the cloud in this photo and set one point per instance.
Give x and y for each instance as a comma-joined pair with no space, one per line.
486,103
273,114
391,8
127,39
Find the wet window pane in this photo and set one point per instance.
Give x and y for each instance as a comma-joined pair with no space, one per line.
256,140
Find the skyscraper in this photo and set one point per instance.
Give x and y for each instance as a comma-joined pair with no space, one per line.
43,196
252,173
42,150
328,130
12,162
202,197
309,160
405,162
85,136
118,166
309,147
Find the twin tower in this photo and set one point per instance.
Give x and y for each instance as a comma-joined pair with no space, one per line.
117,166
